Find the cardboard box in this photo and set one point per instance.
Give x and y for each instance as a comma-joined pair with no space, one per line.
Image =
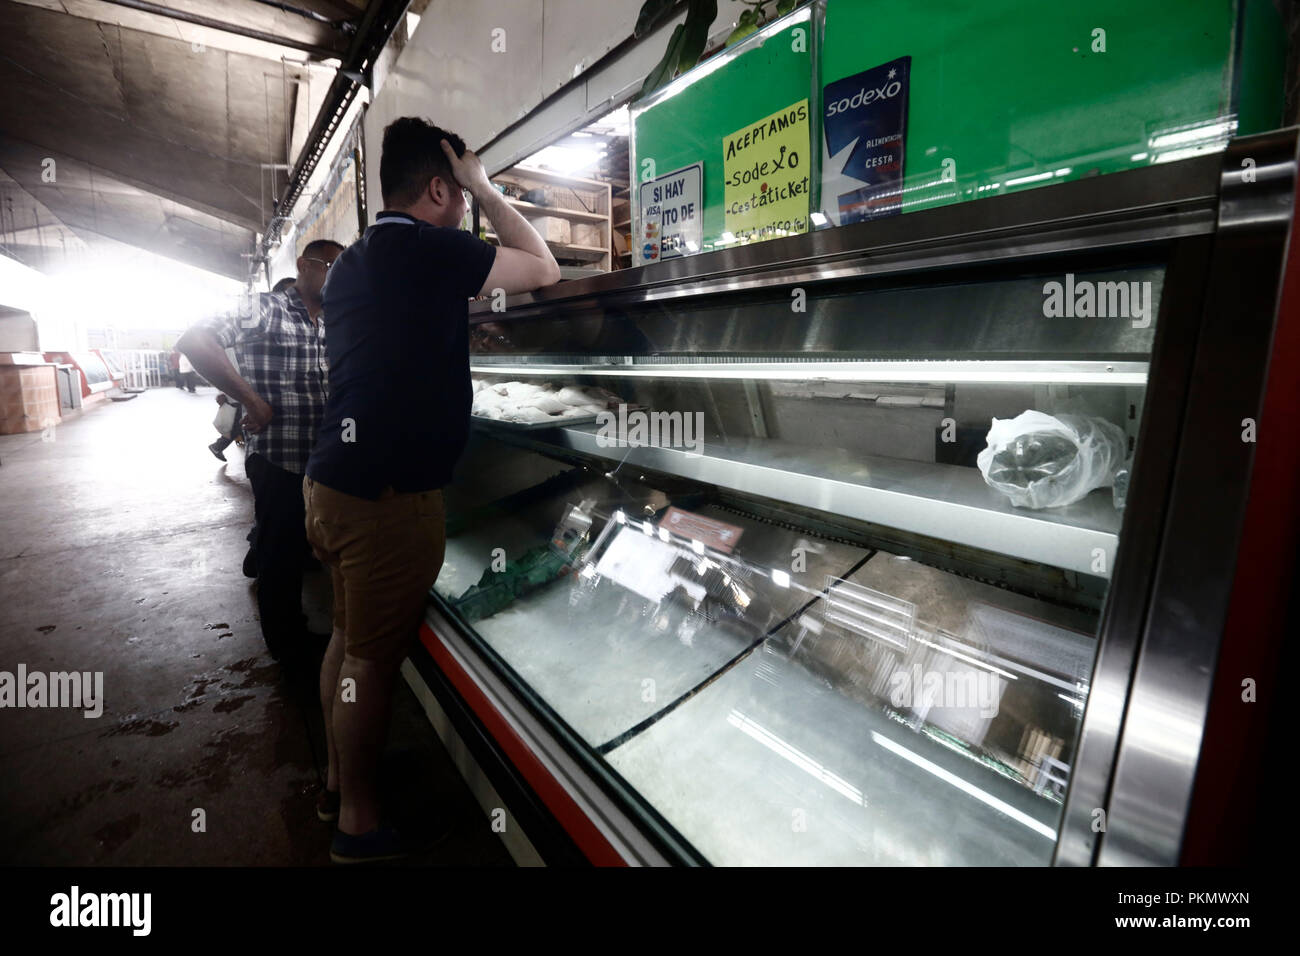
552,228
21,358
574,197
29,399
558,197
588,234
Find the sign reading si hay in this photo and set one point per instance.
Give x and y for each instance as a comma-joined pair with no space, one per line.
672,216
765,178
866,136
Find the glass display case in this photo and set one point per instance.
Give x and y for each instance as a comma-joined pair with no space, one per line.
818,551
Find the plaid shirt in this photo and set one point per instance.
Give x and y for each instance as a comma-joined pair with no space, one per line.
281,354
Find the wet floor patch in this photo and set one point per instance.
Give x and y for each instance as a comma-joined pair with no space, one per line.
214,769
148,726
199,686
228,704
116,832
257,673
88,796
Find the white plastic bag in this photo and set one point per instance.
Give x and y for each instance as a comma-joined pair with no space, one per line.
224,423
1046,461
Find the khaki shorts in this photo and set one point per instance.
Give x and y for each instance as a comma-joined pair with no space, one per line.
383,556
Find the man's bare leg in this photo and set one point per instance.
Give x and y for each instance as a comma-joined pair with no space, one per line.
329,687
360,731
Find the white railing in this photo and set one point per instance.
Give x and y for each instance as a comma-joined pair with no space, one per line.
143,367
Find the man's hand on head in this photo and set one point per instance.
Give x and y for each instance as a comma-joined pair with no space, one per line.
468,170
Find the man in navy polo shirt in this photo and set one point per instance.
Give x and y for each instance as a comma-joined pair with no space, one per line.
397,418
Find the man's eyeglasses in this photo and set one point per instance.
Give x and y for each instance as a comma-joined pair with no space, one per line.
325,262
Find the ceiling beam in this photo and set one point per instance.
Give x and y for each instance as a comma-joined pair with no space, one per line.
347,26
211,23
108,175
381,19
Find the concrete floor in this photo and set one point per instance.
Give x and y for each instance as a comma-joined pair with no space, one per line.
120,548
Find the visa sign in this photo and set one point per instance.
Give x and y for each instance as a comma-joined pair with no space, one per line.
671,215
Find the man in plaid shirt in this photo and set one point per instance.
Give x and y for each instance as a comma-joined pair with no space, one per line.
279,343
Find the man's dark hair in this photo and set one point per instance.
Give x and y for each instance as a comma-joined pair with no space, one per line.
284,283
412,155
317,246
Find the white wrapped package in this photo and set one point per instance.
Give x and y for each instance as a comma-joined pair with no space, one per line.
489,399
528,414
224,423
572,395
519,390
537,402
580,411
546,402
1046,461
587,395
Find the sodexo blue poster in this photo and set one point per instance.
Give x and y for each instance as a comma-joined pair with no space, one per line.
865,121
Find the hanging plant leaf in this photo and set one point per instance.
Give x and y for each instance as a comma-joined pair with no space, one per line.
785,6
665,68
698,20
746,24
652,11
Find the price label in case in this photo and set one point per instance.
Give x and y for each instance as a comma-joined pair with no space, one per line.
709,531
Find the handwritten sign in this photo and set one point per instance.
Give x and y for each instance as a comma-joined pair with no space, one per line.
672,215
765,182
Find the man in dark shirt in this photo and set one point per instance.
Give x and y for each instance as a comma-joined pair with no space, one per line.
280,346
397,335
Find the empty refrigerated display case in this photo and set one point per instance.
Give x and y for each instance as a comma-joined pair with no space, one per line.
731,577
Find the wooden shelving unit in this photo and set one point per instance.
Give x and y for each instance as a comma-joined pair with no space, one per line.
595,206
585,203
617,172
577,215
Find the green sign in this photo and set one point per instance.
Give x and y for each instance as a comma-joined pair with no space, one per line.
1010,95
1004,94
690,120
